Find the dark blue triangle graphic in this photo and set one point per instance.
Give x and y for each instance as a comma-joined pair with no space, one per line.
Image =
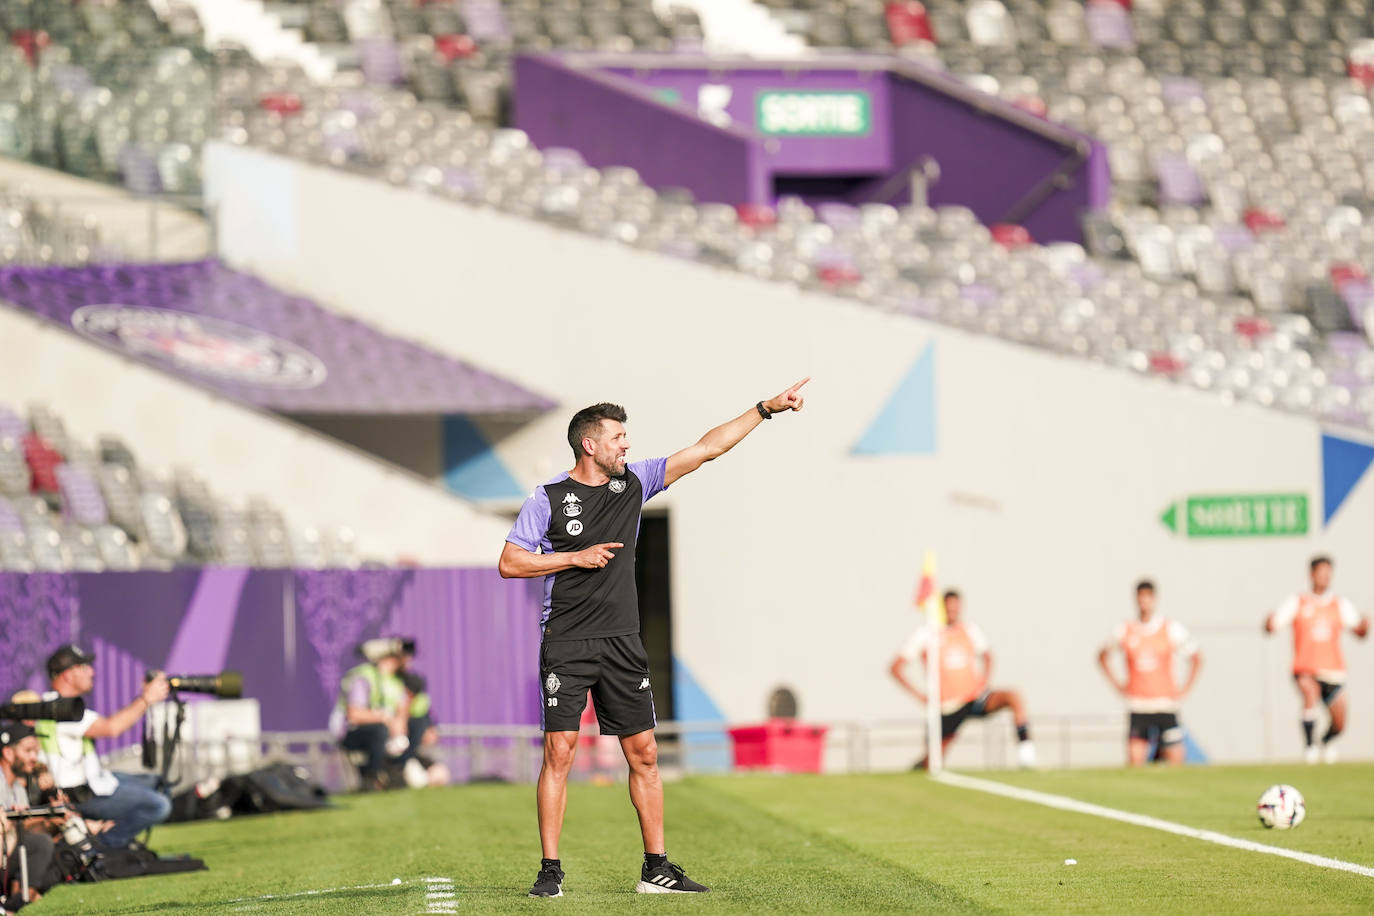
906,424
1343,464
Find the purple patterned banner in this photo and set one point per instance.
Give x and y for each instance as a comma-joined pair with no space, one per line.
38,613
235,334
293,634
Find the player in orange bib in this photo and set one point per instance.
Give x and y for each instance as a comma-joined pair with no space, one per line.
1318,618
1150,645
965,664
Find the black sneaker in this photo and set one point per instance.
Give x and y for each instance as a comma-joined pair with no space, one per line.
549,883
667,879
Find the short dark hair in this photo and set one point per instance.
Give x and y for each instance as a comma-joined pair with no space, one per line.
1144,585
587,419
1318,560
952,593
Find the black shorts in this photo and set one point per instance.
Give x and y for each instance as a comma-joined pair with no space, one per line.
973,709
1146,726
616,671
1329,690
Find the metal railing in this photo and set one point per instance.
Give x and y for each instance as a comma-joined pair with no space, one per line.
513,753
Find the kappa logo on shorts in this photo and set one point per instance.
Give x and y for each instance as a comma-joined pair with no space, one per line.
572,506
617,485
644,684
574,527
552,683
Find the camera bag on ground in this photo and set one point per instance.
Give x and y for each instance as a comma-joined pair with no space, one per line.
277,787
91,860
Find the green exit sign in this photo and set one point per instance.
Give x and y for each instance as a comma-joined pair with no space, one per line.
814,114
1240,515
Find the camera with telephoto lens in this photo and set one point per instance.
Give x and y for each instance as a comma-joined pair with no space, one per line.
227,685
63,709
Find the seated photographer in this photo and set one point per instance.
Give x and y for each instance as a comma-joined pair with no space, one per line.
424,737
18,758
132,801
370,716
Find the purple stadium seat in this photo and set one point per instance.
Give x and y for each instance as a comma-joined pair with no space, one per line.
1109,25
1179,182
9,518
12,425
81,498
381,61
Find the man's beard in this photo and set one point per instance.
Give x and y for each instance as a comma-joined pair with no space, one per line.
611,470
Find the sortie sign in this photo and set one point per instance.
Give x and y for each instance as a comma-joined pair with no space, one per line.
815,114
1239,515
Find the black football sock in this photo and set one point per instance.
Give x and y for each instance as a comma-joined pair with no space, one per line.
1023,733
1309,724
1331,732
556,863
653,860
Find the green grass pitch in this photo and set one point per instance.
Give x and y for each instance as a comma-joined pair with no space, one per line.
869,843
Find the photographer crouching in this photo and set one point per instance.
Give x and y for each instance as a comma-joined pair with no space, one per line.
18,762
132,801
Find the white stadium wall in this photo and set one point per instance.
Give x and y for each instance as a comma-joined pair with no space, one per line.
239,451
795,558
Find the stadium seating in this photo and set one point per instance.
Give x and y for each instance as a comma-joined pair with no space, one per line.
72,508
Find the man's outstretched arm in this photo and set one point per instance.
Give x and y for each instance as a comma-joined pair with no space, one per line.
727,435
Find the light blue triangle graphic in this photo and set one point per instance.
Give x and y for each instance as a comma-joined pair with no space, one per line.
1343,464
471,465
906,424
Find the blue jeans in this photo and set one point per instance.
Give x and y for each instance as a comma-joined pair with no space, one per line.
134,807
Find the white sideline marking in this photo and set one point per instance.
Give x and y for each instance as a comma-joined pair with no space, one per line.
315,893
1064,803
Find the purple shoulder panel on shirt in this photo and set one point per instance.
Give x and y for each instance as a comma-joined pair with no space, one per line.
531,528
651,473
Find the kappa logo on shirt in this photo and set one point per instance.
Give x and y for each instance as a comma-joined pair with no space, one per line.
644,684
572,506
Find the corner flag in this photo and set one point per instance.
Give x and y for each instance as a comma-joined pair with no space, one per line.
933,606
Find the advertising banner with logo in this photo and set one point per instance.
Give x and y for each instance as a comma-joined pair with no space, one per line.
229,331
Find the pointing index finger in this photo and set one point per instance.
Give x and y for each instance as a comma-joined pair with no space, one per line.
799,384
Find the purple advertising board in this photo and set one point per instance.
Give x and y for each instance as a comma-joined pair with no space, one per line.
849,128
234,333
292,633
813,121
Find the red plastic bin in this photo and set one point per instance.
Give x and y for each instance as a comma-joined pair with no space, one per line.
781,745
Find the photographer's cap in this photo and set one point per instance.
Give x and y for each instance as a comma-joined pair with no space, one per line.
11,733
69,656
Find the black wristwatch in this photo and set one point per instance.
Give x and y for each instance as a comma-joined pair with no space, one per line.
763,411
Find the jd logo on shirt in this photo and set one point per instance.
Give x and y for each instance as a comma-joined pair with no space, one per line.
574,527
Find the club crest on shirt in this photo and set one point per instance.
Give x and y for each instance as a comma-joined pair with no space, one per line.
572,506
574,527
617,484
552,683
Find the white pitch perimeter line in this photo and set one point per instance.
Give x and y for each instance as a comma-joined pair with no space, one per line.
316,893
1064,803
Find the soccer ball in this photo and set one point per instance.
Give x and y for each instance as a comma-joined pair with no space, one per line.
1281,807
